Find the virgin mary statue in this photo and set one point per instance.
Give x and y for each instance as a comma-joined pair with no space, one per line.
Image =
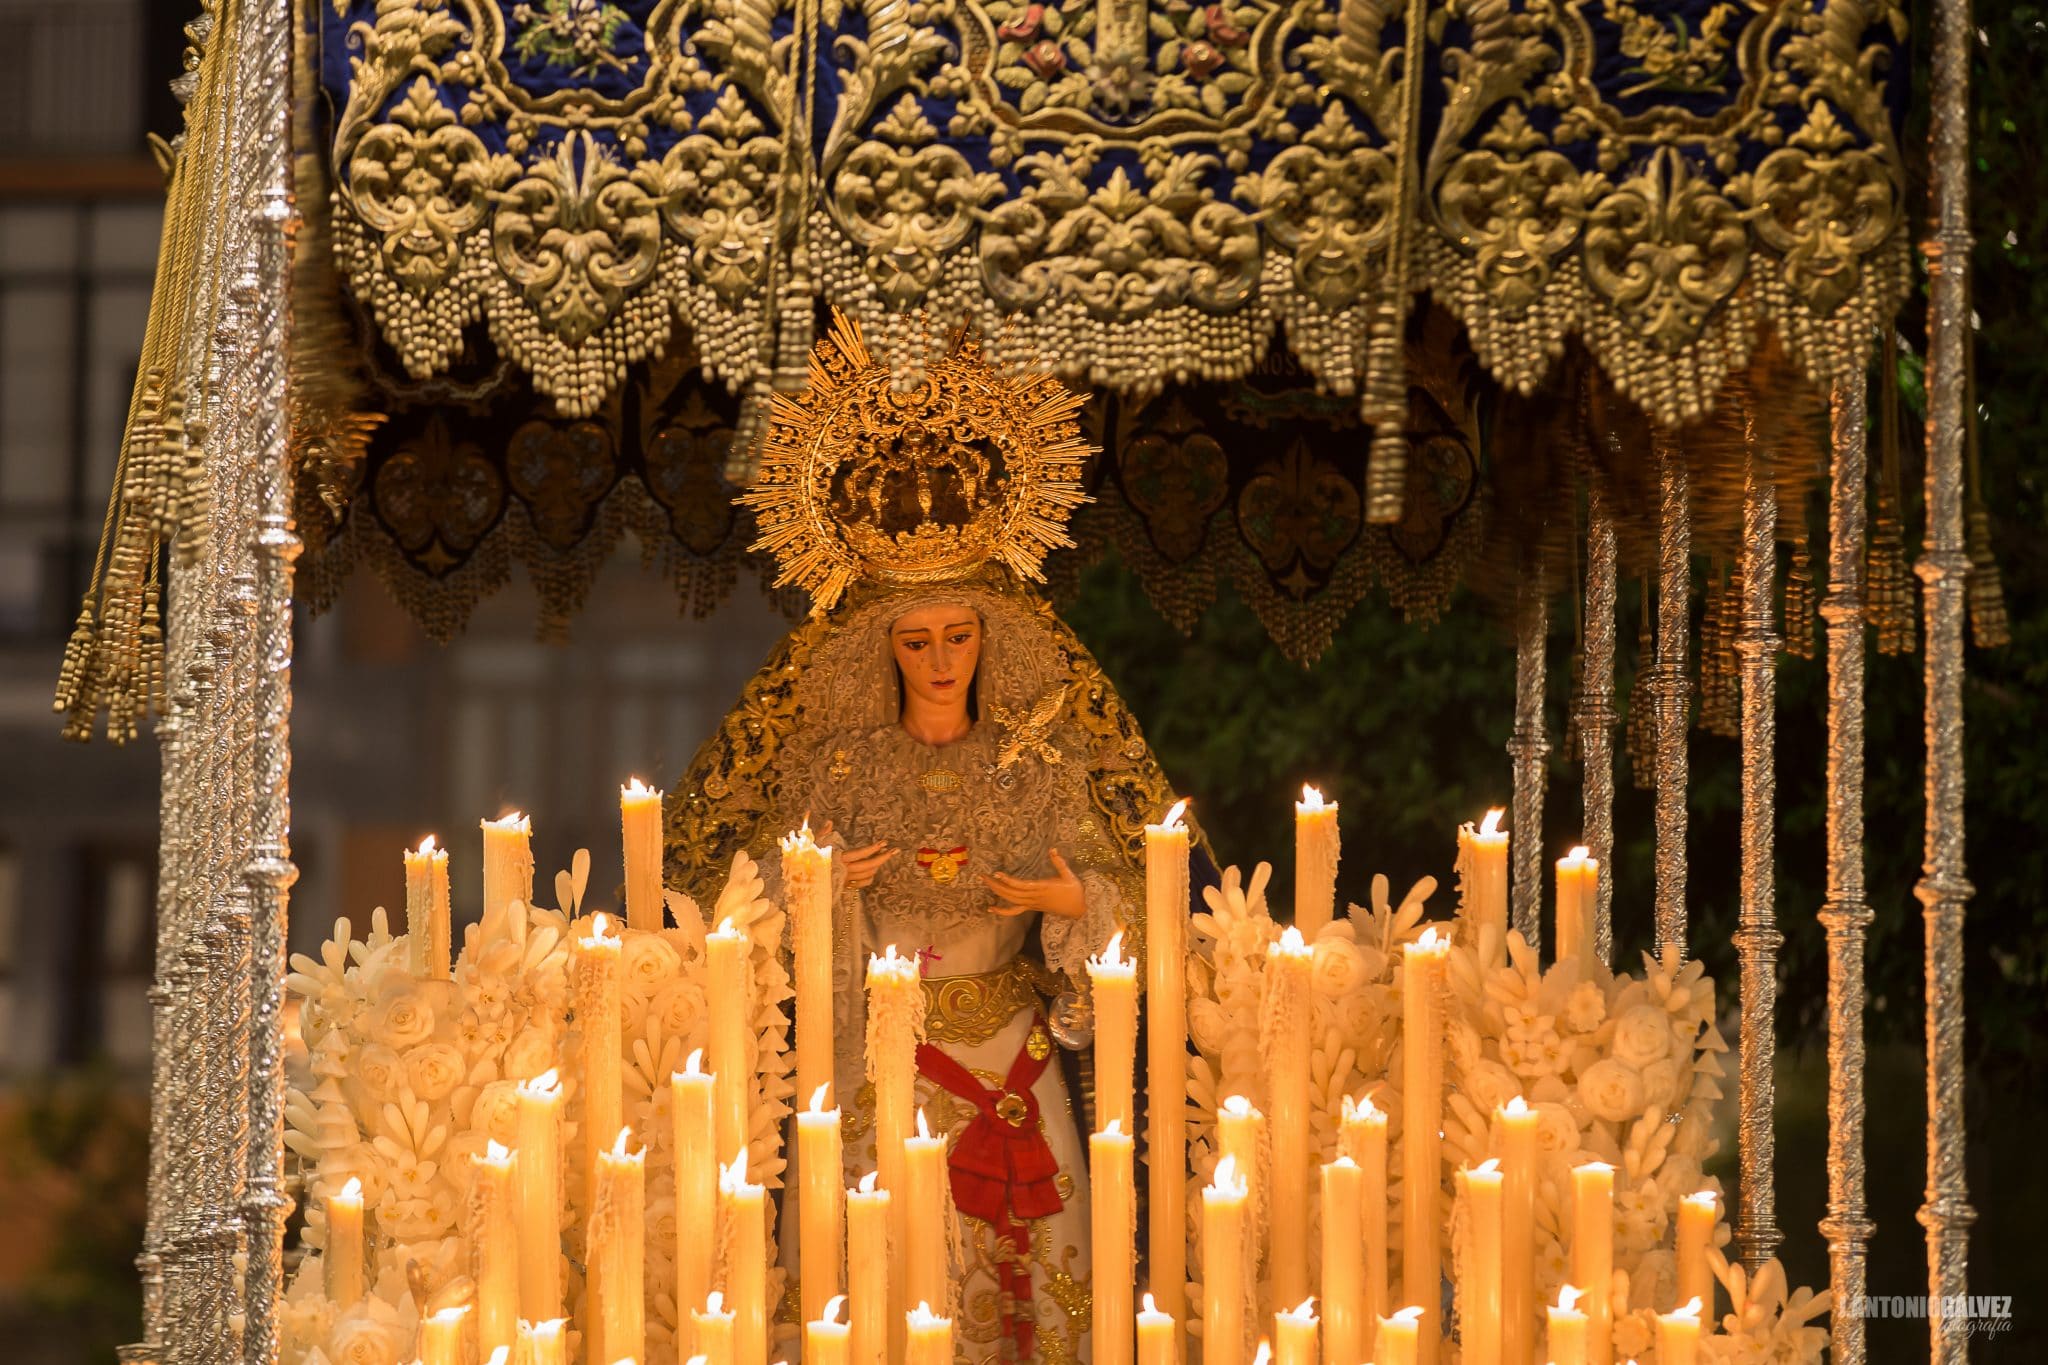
983,787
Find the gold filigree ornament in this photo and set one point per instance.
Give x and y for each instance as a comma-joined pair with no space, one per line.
858,480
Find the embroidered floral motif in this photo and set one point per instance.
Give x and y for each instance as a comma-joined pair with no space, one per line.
575,35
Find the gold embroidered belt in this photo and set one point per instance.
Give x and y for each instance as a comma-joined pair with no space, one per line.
969,1010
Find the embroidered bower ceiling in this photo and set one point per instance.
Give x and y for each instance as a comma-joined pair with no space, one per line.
1137,190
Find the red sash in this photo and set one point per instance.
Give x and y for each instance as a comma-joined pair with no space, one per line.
1003,1171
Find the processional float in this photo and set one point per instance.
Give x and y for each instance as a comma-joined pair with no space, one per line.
448,285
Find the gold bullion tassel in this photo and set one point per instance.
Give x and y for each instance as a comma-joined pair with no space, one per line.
1801,601
1720,688
1640,736
1989,626
1890,605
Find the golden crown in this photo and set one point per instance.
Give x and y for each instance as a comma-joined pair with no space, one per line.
858,480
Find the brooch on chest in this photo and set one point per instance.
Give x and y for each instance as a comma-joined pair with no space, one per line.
940,781
942,864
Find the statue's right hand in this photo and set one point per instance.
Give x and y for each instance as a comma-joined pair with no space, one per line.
862,864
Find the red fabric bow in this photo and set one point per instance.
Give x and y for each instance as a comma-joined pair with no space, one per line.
1003,1170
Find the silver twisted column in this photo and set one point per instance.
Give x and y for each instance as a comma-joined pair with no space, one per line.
1756,935
1596,717
1670,685
1943,890
1528,747
1846,914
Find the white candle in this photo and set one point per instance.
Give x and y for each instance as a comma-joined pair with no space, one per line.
1479,1278
595,965
342,1262
494,1247
1483,873
618,1241
714,1329
1363,1131
1113,980
1422,975
745,1212
543,1343
1593,1254
1578,892
508,872
1112,1214
1166,1062
1400,1338
807,892
1287,999
820,1217
441,1336
1678,1335
1518,1229
867,1270
1294,1335
1157,1335
640,830
728,970
540,1199
1343,1267
1695,1236
895,1024
692,1098
930,1340
825,1337
1223,1227
1315,862
427,911
924,1176
1567,1340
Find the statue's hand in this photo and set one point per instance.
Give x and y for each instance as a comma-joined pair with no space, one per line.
863,864
1060,894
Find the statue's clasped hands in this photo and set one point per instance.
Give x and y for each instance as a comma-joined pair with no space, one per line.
1060,894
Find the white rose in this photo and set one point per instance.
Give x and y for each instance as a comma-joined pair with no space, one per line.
359,1160
1557,1132
496,1112
650,963
1208,1025
679,1008
406,1020
1660,1084
1642,1036
1337,968
1612,1091
530,1052
434,1069
1490,1086
366,1339
381,1070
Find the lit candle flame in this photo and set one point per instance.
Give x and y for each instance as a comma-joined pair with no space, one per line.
833,1307
352,1192
451,1315
818,1098
1706,1199
1306,1308
923,1316
547,1085
1237,1106
1113,951
511,820
1490,826
550,1330
714,1303
1691,1309
693,1065
427,846
501,1355
1428,942
1490,1166
497,1152
1411,1315
1516,1107
923,1129
1172,820
1114,1129
636,787
732,1179
1594,1166
1265,1353
1150,1306
1311,799
1579,854
1568,1299
727,928
1227,1178
867,1183
1291,940
619,1144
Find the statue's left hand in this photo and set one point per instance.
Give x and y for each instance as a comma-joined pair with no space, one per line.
1060,894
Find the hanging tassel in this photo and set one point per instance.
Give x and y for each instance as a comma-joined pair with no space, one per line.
1720,710
1990,628
1802,602
1640,735
1890,605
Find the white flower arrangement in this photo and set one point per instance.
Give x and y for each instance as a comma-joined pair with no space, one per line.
410,1078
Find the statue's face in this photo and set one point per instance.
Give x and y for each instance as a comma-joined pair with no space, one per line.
937,649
